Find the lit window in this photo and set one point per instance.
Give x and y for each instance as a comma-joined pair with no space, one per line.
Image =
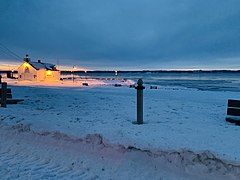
49,73
26,70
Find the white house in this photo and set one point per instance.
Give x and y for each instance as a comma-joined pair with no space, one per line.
37,71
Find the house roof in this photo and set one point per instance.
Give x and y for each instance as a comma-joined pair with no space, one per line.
45,66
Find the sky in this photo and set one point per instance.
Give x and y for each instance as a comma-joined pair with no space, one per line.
123,34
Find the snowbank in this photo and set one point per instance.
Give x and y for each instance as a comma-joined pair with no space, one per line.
55,155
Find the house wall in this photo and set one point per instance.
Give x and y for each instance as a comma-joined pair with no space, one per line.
52,75
47,75
27,72
41,75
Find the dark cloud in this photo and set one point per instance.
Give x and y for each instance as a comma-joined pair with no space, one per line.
123,33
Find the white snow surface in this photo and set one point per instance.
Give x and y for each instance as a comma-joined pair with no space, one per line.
185,135
40,65
69,82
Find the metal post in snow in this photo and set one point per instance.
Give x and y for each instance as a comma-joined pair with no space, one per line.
73,70
4,95
140,89
73,76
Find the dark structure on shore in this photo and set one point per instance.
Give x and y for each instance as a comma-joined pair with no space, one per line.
9,74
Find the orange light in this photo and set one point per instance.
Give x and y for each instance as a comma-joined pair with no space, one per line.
49,73
26,64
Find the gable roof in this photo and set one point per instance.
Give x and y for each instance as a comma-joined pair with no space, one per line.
45,66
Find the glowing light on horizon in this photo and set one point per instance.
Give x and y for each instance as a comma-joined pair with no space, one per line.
71,68
13,66
9,67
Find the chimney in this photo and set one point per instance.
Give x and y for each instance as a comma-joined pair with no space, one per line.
26,59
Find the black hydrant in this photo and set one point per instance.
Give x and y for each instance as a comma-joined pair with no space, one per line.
140,89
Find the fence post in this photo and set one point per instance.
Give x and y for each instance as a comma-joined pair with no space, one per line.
4,95
140,89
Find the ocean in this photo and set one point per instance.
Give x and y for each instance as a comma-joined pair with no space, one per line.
202,80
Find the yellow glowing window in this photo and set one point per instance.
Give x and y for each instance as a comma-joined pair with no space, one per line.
27,70
49,73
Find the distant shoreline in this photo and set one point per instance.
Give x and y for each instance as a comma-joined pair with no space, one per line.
145,71
158,71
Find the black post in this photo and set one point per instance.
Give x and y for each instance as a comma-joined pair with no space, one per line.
9,74
73,76
140,89
73,73
0,79
4,95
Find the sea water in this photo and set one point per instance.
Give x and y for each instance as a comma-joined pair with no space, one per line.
202,80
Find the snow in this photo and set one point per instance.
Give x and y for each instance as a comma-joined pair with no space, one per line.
49,66
69,82
53,155
40,65
180,120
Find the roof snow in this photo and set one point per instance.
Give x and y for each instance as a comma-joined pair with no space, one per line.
40,65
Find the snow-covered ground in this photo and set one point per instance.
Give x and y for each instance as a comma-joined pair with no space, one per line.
185,135
69,82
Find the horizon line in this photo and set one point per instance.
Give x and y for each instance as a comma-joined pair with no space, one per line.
12,66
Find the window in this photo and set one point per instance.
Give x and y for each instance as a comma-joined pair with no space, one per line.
26,70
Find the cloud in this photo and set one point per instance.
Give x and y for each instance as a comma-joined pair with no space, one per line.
123,32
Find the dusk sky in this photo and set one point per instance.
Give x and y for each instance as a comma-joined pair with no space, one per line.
124,34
